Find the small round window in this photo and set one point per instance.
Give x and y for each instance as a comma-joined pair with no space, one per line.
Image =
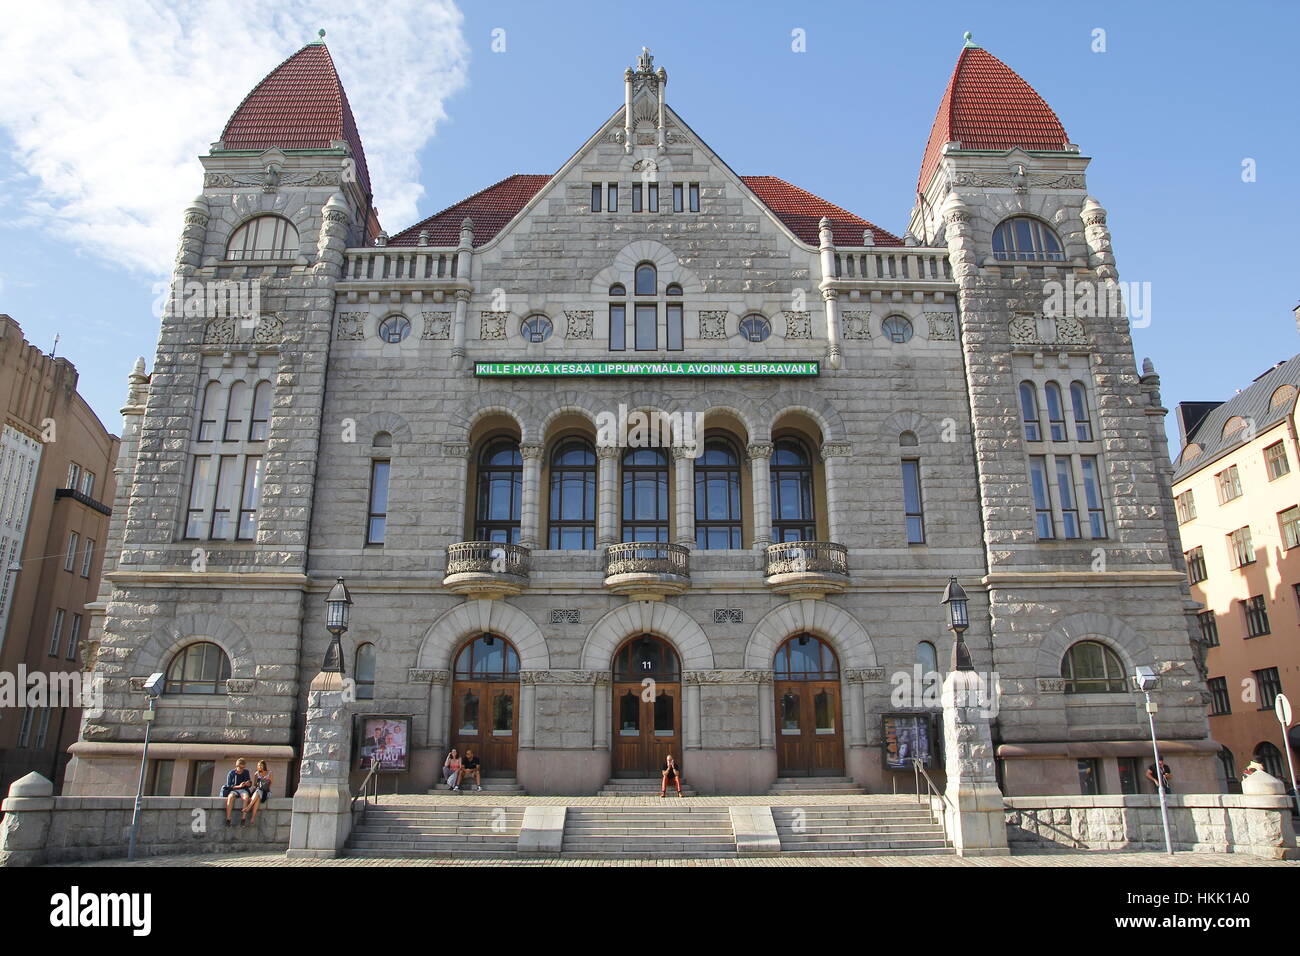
394,328
536,328
897,328
755,328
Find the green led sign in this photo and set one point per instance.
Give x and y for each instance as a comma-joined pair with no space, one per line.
661,369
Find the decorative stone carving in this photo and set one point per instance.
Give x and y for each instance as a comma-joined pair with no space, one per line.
1069,331
836,449
1051,685
713,325
615,136
1024,330
580,323
563,677
239,685
727,677
231,331
427,675
437,325
758,449
455,449
492,325
1027,329
351,326
864,675
728,615
566,615
856,325
269,180
798,325
1019,180
941,325
645,165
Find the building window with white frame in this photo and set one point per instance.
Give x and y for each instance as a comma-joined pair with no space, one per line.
74,637
1228,483
1044,521
1275,461
1241,551
70,559
56,634
1185,505
87,557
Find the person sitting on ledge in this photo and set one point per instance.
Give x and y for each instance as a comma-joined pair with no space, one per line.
470,767
261,790
670,769
451,770
238,784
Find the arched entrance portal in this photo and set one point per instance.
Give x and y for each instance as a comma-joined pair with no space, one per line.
485,703
809,735
647,707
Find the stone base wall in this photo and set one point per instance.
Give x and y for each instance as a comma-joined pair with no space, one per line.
1202,823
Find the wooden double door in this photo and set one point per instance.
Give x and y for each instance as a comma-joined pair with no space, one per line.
809,738
647,727
485,719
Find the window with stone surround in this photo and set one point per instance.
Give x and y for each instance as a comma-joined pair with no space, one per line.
1029,412
693,193
1090,667
263,238
791,477
717,496
377,516
645,512
225,489
912,510
198,668
596,193
1185,505
1044,519
500,492
1195,559
572,515
1256,609
1228,483
1082,421
1066,485
1275,461
1220,700
1025,239
365,671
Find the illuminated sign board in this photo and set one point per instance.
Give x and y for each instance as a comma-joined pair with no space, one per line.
660,369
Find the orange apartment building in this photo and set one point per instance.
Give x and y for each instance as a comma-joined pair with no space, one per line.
56,473
1237,497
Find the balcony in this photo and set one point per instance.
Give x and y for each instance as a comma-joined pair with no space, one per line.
486,569
647,570
807,568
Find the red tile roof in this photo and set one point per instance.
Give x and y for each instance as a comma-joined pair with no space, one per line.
300,104
988,106
495,206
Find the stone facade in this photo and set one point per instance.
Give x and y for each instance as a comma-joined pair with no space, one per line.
345,399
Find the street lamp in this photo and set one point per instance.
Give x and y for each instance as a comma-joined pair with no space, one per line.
954,595
1145,679
153,686
337,605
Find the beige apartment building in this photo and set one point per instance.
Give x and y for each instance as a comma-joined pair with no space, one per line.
1237,497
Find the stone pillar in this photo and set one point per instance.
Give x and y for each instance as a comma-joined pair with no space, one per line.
458,328
530,509
690,714
833,455
527,716
684,473
766,712
627,110
826,249
601,718
28,815
322,806
1101,256
662,127
974,814
760,456
607,495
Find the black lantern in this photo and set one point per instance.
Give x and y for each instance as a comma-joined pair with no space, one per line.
338,604
954,595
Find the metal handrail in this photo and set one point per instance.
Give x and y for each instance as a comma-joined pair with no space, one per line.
918,771
369,788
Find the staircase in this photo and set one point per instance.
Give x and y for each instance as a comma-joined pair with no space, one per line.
902,829
814,786
673,831
506,786
436,831
641,787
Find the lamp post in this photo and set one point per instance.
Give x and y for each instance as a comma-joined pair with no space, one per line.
1145,679
954,595
337,608
154,688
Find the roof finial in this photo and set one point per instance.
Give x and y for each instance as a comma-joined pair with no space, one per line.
321,36
970,42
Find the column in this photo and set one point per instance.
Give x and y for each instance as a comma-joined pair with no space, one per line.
760,456
834,465
527,712
530,511
458,328
607,495
600,694
684,474
627,110
690,715
459,452
766,712
826,250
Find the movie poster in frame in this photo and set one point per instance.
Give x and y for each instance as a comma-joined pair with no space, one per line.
383,739
904,736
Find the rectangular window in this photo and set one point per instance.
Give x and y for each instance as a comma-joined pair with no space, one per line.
199,477
617,328
1220,702
70,559
1065,489
1229,484
1209,628
160,777
678,199
1089,776
1092,496
74,637
56,635
1256,616
694,194
1270,685
611,194
595,197
1195,565
1185,505
1130,774
43,728
652,197
636,197
74,476
250,498
225,498
1275,460
647,327
88,484
377,519
912,501
675,329
1289,522
25,727
1240,549
87,557
1043,519
200,781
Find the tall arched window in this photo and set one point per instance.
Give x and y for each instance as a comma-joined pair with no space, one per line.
1090,667
573,495
645,494
1082,422
1055,411
235,409
266,237
487,658
1029,412
199,668
646,656
805,657
1022,239
647,279
792,492
927,657
208,413
500,492
717,496
1268,755
365,671
258,424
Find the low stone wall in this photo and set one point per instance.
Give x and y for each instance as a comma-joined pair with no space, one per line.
1202,822
73,829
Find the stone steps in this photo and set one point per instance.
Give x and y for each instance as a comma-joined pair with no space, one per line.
433,832
814,786
859,830
507,786
671,831
641,787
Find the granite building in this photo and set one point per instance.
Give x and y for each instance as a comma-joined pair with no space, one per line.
646,456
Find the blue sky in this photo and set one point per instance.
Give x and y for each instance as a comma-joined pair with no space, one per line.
1180,97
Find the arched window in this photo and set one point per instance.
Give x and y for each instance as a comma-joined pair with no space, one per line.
674,290
487,658
645,494
1022,239
647,279
1029,412
259,423
1233,425
208,413
1268,755
897,329
1283,395
792,492
573,495
199,668
755,328
907,440
234,427
394,329
717,496
617,291
1055,411
536,328
805,657
646,656
266,237
382,440
1229,764
500,492
365,671
927,657
1090,667
1082,423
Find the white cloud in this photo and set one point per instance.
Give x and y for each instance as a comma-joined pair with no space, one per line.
108,106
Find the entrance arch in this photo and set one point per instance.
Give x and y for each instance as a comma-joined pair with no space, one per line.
809,728
646,706
485,703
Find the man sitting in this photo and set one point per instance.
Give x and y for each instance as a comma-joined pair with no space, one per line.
470,767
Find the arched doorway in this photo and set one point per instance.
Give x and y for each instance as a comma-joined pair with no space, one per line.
809,735
647,707
485,703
